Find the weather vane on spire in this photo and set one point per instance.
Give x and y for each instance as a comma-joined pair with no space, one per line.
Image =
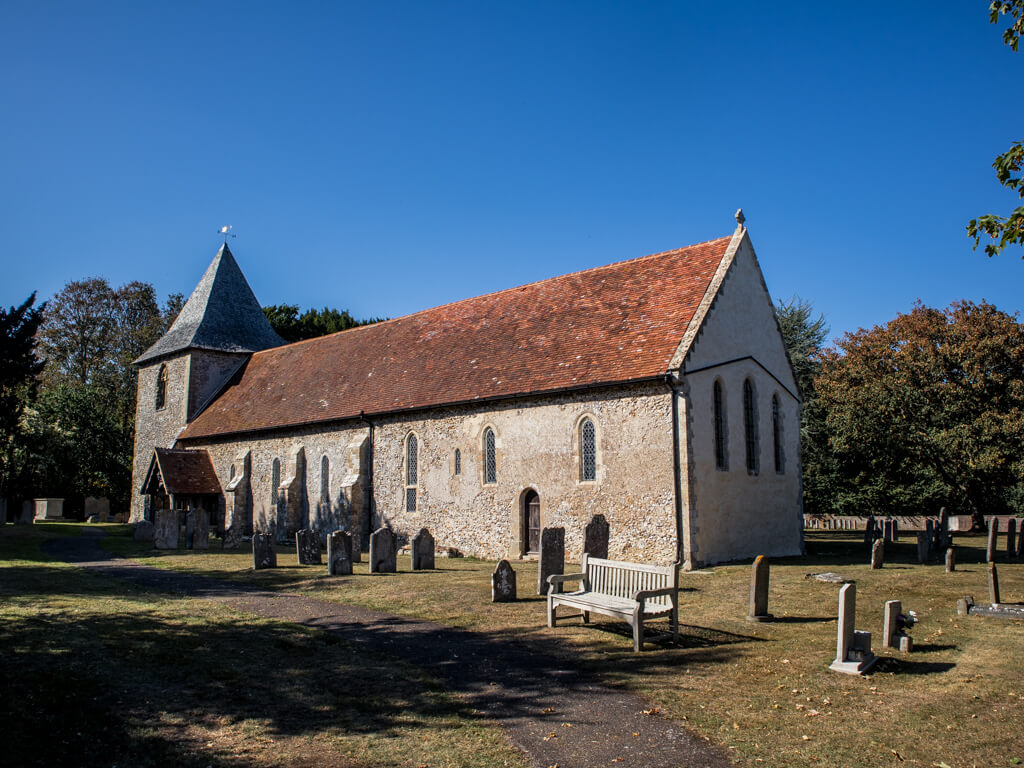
226,232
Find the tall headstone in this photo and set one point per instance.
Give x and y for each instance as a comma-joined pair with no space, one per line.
1020,540
201,534
27,512
944,528
144,530
891,624
165,535
190,528
878,554
993,584
993,530
887,530
307,547
263,553
1011,538
895,529
595,537
929,529
97,506
853,647
503,583
869,530
552,557
382,551
339,553
423,551
759,580
922,547
950,560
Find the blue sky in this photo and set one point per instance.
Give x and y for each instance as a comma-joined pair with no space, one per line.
385,157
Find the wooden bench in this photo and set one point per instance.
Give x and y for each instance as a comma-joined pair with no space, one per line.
628,591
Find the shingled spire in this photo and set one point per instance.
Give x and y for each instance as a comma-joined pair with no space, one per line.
222,314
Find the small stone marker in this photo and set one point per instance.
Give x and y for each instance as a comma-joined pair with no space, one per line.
993,530
950,560
759,579
166,534
423,551
829,577
993,584
877,554
503,583
307,547
595,537
906,643
1011,538
382,551
922,547
552,557
853,647
144,531
263,553
891,624
201,534
339,553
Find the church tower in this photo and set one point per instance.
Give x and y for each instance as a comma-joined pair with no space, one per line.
217,330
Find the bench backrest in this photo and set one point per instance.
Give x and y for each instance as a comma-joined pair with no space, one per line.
621,579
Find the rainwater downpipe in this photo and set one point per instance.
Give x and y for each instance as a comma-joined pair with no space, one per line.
672,381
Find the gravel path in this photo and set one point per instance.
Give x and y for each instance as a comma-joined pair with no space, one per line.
530,694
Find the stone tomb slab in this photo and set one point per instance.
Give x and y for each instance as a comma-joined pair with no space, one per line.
503,583
339,553
383,550
423,551
307,547
165,536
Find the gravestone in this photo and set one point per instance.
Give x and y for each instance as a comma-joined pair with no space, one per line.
1020,540
887,530
890,624
944,528
263,553
895,529
423,551
144,531
49,509
993,529
307,547
869,530
382,551
759,579
339,553
853,647
27,512
166,534
878,554
97,506
503,583
950,560
201,533
1011,538
595,537
233,536
190,528
993,584
922,547
929,530
552,557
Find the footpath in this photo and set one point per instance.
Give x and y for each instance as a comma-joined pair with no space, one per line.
529,694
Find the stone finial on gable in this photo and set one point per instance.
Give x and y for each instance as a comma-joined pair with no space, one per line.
740,218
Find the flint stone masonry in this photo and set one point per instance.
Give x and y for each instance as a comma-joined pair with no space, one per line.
144,531
263,553
552,557
759,580
167,529
595,537
503,583
307,547
878,554
339,553
49,509
383,548
423,551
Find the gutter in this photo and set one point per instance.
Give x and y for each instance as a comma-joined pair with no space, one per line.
677,486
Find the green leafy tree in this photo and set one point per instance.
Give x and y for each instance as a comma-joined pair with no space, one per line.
291,326
1005,230
19,367
928,411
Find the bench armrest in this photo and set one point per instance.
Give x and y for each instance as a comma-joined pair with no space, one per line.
558,578
646,593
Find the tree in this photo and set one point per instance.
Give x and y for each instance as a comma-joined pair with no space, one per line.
928,411
19,368
291,326
1006,230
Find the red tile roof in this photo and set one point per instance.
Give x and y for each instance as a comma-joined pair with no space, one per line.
183,472
616,323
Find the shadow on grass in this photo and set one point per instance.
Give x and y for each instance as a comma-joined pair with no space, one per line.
802,619
934,648
905,667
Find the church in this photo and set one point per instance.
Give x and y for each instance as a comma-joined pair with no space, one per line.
656,392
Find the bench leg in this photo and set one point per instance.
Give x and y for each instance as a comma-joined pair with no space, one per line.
586,617
674,623
638,630
551,612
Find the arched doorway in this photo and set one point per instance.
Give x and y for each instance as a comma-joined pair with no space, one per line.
531,522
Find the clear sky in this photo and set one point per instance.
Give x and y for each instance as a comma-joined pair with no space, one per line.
386,157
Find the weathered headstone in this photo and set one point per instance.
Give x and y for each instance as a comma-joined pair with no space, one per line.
1020,540
27,512
878,554
993,530
339,553
423,551
891,624
190,528
503,583
382,551
166,534
853,647
595,537
233,536
759,580
993,584
97,506
922,547
869,530
944,528
201,532
263,553
1011,538
49,509
307,547
895,529
950,560
552,557
144,531
929,530
887,530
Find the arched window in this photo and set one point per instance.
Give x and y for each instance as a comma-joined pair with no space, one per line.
490,457
411,471
588,450
325,481
275,481
721,455
750,426
161,387
458,462
777,436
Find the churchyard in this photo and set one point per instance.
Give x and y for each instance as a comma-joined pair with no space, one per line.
178,680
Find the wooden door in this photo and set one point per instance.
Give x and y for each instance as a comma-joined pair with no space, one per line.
531,513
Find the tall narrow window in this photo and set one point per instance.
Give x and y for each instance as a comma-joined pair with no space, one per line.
458,462
490,457
750,426
777,435
411,472
719,406
588,450
161,387
325,481
275,481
